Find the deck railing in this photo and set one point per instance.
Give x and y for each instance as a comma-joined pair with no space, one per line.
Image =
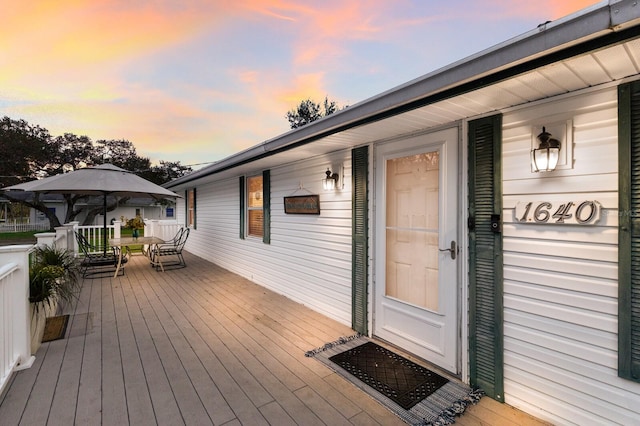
95,234
165,229
15,343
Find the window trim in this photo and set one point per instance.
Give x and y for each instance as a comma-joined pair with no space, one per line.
189,220
266,206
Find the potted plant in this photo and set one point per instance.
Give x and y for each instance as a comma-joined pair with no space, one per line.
53,278
135,224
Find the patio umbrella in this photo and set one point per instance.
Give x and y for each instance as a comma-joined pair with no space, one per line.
103,180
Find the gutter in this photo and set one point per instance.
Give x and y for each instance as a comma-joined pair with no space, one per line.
602,24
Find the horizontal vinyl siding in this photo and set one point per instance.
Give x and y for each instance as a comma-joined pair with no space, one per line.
309,257
560,282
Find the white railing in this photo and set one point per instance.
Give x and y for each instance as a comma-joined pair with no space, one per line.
15,342
164,229
95,234
14,226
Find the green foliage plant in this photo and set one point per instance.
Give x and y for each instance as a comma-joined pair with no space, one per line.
53,275
134,223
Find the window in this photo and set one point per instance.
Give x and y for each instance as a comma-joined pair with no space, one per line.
255,206
191,207
255,212
169,211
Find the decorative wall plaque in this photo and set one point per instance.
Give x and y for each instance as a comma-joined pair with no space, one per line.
302,204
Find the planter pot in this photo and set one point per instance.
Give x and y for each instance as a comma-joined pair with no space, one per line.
38,320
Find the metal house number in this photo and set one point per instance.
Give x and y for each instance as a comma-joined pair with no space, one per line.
561,213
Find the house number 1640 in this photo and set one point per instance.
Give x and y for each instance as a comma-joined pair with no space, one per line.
562,213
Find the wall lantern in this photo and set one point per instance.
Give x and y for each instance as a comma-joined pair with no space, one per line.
330,182
545,157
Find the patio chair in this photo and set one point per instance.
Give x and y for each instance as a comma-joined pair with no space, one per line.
96,263
171,249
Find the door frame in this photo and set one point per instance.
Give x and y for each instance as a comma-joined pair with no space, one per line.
462,235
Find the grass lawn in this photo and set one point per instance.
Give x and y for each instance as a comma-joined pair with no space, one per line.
7,238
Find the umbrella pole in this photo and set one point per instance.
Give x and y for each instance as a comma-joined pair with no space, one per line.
104,217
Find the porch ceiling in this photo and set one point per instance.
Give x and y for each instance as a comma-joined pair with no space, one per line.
588,70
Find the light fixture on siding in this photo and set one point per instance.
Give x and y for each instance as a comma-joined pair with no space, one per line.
330,182
545,157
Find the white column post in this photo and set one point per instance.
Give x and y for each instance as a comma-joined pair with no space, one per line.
61,239
45,238
116,228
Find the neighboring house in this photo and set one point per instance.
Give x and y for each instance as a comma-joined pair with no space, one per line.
145,207
440,238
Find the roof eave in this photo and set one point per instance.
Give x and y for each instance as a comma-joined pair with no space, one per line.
588,24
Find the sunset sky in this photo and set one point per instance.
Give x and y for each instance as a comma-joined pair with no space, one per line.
197,80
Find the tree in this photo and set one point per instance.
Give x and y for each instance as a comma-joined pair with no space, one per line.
28,152
24,151
70,152
164,172
308,111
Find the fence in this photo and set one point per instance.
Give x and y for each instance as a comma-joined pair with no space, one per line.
14,226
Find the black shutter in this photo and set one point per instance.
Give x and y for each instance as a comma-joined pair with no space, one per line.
485,258
195,206
186,208
242,207
360,232
266,206
629,231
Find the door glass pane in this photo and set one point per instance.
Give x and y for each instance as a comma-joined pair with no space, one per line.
412,185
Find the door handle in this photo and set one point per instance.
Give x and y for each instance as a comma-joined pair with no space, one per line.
453,250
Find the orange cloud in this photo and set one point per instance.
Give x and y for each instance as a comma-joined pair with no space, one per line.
563,8
546,9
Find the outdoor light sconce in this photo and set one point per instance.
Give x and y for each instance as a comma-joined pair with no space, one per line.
330,182
545,157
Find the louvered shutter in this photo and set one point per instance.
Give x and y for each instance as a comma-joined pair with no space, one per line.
242,207
485,258
629,231
266,206
360,232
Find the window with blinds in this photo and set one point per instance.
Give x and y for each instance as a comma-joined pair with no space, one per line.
255,203
191,207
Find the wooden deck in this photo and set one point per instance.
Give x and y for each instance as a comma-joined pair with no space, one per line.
201,346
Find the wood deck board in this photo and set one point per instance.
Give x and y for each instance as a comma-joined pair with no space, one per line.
198,345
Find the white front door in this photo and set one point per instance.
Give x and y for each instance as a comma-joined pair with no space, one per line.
416,249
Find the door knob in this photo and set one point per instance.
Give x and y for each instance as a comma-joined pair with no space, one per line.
452,251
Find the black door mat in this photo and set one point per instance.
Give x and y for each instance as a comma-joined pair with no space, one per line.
397,378
55,328
438,409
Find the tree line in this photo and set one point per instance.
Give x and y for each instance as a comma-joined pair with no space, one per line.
29,152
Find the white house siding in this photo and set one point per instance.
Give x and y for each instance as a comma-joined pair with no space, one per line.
309,258
560,281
